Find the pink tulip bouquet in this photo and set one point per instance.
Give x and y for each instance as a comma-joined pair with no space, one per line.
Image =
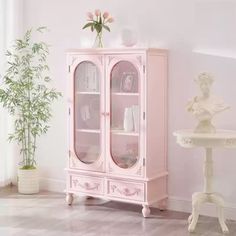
98,22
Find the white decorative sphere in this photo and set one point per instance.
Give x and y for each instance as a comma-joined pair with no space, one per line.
128,37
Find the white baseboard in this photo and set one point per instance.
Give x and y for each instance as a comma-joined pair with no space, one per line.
53,185
177,204
174,204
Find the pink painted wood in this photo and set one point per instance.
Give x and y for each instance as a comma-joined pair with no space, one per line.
144,179
126,190
86,184
74,161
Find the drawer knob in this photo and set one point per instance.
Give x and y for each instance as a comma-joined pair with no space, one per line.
105,113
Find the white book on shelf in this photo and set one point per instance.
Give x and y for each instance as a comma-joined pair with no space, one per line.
135,110
87,72
80,77
128,120
85,113
92,77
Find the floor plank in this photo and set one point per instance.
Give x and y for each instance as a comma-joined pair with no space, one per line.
47,214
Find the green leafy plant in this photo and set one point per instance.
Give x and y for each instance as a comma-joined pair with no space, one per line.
98,22
26,95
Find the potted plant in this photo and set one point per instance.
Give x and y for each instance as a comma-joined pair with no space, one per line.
26,95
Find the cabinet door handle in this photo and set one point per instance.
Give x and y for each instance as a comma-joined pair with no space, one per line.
105,113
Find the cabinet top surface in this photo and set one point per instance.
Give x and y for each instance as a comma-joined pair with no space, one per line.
219,134
115,50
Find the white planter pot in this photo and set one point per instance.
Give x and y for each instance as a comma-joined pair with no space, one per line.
28,181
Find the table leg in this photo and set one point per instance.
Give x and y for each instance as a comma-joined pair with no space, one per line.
197,200
194,219
219,201
208,171
207,196
190,218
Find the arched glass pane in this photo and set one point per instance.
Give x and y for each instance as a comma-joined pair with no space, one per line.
87,112
124,110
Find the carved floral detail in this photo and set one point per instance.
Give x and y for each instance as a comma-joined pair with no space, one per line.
73,163
73,159
73,59
109,59
100,58
75,182
100,166
86,185
139,58
186,141
230,142
125,191
139,171
110,169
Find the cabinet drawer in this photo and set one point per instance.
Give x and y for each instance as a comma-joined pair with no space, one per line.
86,184
127,190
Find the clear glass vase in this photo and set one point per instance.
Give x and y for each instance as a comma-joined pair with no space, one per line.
98,41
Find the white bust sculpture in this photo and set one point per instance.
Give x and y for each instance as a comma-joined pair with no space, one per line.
205,106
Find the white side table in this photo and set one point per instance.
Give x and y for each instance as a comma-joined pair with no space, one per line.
222,138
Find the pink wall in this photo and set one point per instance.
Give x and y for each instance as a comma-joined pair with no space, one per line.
191,29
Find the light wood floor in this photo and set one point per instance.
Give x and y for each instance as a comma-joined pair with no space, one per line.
47,214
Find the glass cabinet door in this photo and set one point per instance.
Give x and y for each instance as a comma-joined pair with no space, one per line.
87,99
124,112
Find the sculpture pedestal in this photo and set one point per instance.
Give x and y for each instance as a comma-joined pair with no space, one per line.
205,126
207,196
221,138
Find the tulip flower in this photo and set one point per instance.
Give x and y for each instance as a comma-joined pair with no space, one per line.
105,15
90,15
97,12
110,20
98,24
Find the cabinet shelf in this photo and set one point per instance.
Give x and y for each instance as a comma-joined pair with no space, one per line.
122,132
125,94
95,131
88,93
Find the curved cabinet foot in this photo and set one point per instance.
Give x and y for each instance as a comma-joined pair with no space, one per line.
162,205
146,211
69,198
89,197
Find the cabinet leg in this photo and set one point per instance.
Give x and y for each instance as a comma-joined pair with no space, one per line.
162,205
146,211
89,197
69,198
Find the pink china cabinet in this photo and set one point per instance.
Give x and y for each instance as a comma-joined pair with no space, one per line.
118,125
